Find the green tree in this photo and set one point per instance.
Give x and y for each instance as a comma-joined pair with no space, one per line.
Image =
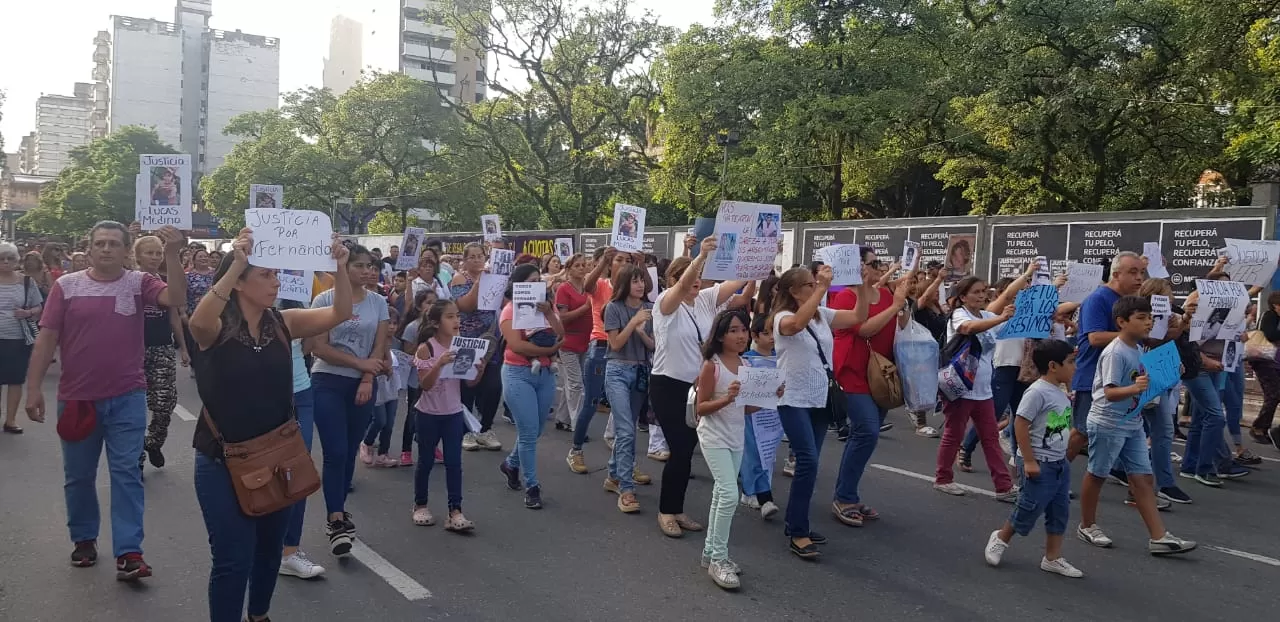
98,184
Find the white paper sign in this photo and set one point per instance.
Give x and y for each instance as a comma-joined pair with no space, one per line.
501,261
467,351
910,255
747,236
167,200
1042,275
845,261
526,296
1082,279
1156,267
266,197
1252,262
414,238
295,285
1231,352
287,239
564,249
1161,309
1220,310
759,386
491,227
653,279
628,228
767,425
493,290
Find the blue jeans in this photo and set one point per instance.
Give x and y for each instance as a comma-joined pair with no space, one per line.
1233,402
1204,436
382,425
304,404
1080,407
1048,495
1007,392
431,430
755,480
529,397
122,424
245,550
593,381
626,404
805,428
1159,424
341,425
864,435
1111,448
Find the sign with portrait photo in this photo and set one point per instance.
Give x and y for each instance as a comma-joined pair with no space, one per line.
746,241
266,197
628,228
467,353
410,246
167,199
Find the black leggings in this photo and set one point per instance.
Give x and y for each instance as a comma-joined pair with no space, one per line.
482,399
668,398
406,438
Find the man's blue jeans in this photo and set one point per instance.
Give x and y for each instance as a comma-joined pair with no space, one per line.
593,381
864,435
529,397
1233,402
805,428
341,424
626,404
304,404
1159,424
122,424
1204,435
245,550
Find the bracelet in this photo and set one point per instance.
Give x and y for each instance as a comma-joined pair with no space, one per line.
218,295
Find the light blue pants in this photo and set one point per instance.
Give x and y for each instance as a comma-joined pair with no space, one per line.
529,397
122,424
625,404
724,464
1159,422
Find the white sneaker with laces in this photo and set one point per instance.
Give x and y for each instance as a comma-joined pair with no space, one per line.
1008,496
749,501
995,549
489,440
1060,566
927,432
1170,544
1093,535
950,488
768,510
469,442
723,575
297,565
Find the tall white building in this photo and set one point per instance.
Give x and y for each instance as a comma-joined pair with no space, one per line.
62,124
184,79
404,36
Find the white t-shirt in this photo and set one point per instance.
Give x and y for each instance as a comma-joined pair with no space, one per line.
677,349
982,381
441,287
725,428
1009,352
802,369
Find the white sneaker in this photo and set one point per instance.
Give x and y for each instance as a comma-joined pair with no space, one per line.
769,510
995,549
1169,544
1005,445
1093,535
489,440
723,575
927,432
1175,457
749,501
1008,496
469,442
297,565
951,489
1060,566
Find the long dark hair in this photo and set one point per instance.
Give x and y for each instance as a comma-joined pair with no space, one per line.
720,327
623,279
415,313
431,321
521,274
232,316
961,289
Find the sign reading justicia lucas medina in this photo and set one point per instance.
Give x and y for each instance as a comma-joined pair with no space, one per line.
163,189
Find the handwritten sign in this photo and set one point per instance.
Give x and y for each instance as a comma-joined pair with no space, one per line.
1220,312
1156,267
746,241
759,387
1252,262
467,351
1033,315
164,191
1163,367
1161,309
628,228
266,197
526,296
491,226
295,285
287,239
493,290
410,246
564,249
1082,279
910,255
845,261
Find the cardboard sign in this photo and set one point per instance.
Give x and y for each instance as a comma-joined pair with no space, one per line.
467,353
1163,368
747,241
1033,313
286,239
164,191
1161,309
759,387
410,246
1082,279
525,297
491,227
1252,262
628,228
493,290
846,263
564,249
910,256
266,197
1220,311
1156,267
295,285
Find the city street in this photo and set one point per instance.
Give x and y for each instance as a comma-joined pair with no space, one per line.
580,559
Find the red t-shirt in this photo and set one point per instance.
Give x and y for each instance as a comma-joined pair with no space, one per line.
577,333
851,352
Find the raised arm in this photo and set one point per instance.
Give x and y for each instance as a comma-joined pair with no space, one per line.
303,323
175,294
793,324
973,327
736,300
675,296
597,271
206,320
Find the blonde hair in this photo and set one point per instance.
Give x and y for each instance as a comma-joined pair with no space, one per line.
146,240
1155,287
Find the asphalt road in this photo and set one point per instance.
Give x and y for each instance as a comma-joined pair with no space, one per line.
580,559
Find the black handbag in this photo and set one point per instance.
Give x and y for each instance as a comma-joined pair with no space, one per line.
836,404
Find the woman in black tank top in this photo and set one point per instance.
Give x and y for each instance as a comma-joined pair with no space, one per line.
245,378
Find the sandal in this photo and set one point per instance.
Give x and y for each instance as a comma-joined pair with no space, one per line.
12,429
422,517
868,512
688,524
848,514
459,523
670,528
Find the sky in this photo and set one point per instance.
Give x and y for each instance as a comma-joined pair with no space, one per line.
45,47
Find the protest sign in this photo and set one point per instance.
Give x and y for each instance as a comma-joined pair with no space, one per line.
286,239
1033,313
526,296
167,199
414,238
702,229
960,252
1220,310
1156,267
628,228
1230,356
467,351
1252,262
845,261
501,261
493,290
295,285
759,387
266,197
1161,309
910,255
1042,274
1082,279
653,282
564,249
746,241
1163,368
491,227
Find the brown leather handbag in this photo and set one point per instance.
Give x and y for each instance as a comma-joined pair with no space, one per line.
270,472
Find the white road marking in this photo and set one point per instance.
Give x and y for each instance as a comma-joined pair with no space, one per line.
183,413
396,578
1262,559
1182,442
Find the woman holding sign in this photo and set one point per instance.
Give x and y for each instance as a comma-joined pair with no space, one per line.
245,377
482,399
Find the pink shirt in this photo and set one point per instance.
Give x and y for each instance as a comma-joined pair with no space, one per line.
509,356
100,332
445,396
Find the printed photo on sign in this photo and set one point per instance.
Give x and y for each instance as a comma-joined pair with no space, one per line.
501,261
525,297
295,285
1220,312
564,249
286,239
1161,309
491,227
1230,356
266,197
910,255
410,245
767,224
747,237
168,197
959,261
628,228
467,353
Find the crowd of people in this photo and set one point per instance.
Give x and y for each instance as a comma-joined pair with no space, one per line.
665,357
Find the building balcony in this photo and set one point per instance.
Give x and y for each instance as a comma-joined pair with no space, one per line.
434,77
423,52
434,30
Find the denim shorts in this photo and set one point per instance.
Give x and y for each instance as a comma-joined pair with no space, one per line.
1122,449
1049,494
